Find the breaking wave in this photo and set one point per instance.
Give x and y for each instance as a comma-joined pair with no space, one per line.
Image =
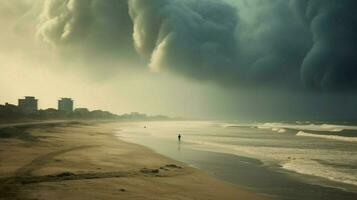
314,168
330,137
308,127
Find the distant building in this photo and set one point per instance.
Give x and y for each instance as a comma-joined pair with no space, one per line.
65,105
28,105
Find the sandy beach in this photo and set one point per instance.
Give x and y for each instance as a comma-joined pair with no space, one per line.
81,160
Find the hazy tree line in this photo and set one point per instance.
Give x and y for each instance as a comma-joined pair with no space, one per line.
13,112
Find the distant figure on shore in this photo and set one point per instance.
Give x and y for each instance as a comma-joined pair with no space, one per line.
179,137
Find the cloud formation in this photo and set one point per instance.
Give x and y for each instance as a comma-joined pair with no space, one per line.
195,38
272,43
93,27
245,42
332,61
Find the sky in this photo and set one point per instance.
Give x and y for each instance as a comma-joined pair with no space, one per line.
207,59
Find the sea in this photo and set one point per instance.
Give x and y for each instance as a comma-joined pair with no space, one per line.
295,160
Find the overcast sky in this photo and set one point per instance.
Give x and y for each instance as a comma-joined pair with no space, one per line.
216,59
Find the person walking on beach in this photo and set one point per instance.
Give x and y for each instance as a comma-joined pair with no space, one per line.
179,137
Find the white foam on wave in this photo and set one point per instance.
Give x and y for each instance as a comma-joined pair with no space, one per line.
274,151
298,126
338,127
314,168
309,127
279,130
230,125
330,137
301,161
274,129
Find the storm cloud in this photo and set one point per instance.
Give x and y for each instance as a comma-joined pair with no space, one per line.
246,42
332,61
195,38
91,27
271,43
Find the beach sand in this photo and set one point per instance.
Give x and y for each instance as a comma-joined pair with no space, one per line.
81,160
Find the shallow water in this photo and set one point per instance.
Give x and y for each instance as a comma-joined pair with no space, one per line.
260,156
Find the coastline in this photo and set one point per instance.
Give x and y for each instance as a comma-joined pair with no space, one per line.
87,161
245,171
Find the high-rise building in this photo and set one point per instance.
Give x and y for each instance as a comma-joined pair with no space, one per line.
65,105
28,105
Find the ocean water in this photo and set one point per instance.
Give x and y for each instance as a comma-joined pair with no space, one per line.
300,154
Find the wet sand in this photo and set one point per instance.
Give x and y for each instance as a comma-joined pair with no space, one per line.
245,172
71,160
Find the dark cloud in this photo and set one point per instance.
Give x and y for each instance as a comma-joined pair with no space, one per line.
264,43
233,44
331,64
272,42
252,42
194,38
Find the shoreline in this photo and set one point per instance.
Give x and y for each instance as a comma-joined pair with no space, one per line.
88,161
308,178
245,172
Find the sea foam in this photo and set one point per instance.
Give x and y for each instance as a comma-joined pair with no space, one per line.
330,137
308,127
314,168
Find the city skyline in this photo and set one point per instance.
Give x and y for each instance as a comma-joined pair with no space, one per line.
28,106
43,107
27,98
